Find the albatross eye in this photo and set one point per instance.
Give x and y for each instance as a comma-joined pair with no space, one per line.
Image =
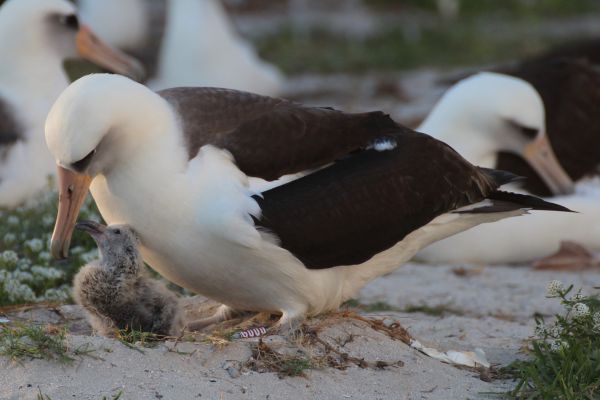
530,133
526,131
69,21
82,164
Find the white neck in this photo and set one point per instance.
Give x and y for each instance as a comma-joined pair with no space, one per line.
452,125
144,141
146,136
206,23
203,20
31,79
31,71
216,56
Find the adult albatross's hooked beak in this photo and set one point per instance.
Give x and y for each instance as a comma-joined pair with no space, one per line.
541,157
91,48
72,191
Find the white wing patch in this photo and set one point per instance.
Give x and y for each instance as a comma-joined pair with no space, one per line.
382,145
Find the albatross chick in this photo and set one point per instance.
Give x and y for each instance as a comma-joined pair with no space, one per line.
114,291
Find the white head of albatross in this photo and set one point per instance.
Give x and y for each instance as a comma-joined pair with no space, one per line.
489,112
36,36
174,166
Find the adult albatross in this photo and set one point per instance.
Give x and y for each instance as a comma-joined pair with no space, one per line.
36,36
499,121
175,166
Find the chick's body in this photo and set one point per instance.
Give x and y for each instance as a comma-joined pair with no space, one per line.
115,292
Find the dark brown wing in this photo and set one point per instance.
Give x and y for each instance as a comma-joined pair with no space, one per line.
360,206
570,90
272,137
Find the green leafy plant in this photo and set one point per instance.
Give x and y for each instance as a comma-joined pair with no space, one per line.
565,354
27,271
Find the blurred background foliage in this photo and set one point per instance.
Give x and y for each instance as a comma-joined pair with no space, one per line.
506,7
388,35
444,33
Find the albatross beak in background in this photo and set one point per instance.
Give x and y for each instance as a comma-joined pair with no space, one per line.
541,157
72,191
91,48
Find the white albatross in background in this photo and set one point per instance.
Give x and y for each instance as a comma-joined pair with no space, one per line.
36,36
195,45
174,165
482,116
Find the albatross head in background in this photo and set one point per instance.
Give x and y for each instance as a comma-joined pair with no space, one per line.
489,112
36,37
37,31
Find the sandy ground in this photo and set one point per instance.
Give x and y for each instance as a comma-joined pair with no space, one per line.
491,308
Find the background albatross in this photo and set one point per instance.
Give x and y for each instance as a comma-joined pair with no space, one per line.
183,43
175,167
499,121
36,36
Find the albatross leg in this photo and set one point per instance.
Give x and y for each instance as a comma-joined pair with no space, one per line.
289,323
223,313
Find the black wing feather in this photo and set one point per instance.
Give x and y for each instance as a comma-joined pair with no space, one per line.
362,205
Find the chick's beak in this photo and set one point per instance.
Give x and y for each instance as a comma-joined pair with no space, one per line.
91,48
541,157
94,229
72,191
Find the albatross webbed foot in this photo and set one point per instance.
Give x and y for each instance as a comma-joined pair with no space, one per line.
570,257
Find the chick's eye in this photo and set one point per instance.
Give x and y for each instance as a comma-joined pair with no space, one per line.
117,231
70,21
